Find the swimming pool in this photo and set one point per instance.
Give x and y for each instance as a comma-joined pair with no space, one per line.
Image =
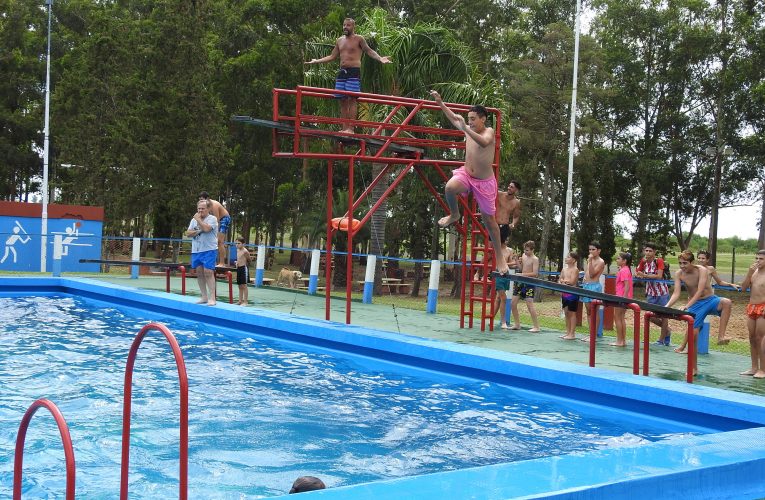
456,385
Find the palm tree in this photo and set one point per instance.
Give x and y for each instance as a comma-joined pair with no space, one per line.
425,56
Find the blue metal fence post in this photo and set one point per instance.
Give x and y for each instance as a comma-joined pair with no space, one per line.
260,265
435,275
313,279
369,279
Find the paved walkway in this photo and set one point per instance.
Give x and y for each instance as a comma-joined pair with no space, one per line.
717,369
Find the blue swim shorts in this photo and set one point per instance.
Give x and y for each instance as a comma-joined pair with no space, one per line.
348,79
502,283
593,287
225,222
526,292
704,307
205,259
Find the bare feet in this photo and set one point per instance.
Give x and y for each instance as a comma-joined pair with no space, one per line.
749,372
723,341
535,330
680,350
505,326
515,327
566,337
759,374
448,220
616,344
211,302
202,301
345,131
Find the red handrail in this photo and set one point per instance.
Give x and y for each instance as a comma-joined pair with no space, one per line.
183,280
636,337
18,462
184,410
691,365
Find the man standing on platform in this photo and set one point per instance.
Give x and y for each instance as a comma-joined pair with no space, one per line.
224,221
477,176
203,230
349,47
508,206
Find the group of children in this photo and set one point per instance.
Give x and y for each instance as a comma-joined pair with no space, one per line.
696,278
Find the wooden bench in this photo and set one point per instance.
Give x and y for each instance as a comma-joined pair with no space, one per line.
400,288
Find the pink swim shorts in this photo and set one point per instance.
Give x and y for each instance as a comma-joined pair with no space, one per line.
484,190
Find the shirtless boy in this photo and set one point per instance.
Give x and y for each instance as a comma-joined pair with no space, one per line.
349,47
569,275
508,206
755,312
242,270
529,266
503,286
224,221
701,300
722,309
476,176
593,268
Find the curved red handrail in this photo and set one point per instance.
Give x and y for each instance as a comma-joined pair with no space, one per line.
184,409
636,337
18,462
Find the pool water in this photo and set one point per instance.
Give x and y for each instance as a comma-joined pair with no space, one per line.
262,412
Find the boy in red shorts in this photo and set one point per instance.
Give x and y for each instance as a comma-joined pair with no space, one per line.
755,311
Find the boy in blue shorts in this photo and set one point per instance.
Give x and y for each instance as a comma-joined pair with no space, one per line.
701,300
528,266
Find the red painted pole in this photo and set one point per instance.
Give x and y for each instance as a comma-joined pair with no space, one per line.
646,339
63,429
635,338
183,280
167,284
328,256
184,410
349,257
691,348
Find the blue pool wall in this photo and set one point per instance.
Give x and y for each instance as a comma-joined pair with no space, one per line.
727,462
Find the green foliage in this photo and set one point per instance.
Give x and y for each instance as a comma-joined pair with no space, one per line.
143,91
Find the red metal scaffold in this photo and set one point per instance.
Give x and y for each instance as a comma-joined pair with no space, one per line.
397,142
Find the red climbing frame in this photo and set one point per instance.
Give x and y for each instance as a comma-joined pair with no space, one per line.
18,462
184,409
402,146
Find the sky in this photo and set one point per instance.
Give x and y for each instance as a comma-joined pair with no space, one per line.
734,221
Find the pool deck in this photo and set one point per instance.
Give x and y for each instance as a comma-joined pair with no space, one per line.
717,369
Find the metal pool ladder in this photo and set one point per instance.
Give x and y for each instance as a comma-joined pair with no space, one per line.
128,391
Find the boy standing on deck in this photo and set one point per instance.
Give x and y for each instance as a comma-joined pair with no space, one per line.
755,311
593,268
242,270
651,269
569,301
529,266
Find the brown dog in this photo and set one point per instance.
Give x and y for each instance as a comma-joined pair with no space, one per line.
288,277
